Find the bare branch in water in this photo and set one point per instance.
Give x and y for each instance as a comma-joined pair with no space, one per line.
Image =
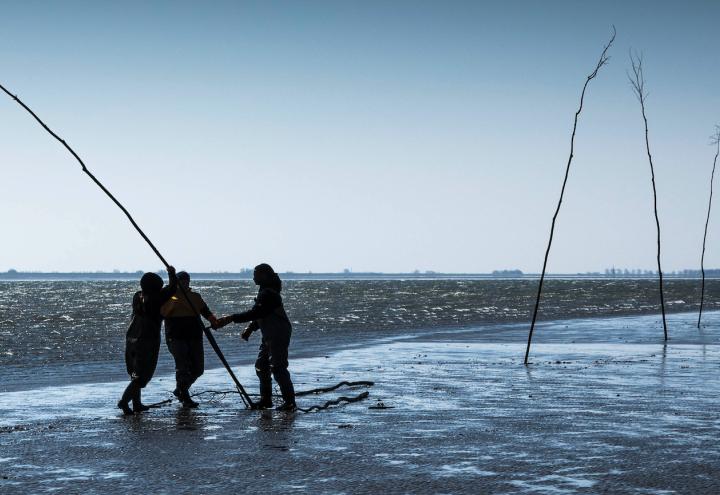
714,140
604,58
637,81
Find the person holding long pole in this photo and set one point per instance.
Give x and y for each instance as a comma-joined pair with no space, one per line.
184,337
241,390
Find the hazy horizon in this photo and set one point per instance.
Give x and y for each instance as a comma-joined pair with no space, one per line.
401,136
248,272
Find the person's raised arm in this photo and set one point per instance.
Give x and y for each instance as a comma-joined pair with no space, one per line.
169,290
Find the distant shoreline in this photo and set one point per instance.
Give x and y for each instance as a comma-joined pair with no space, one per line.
247,275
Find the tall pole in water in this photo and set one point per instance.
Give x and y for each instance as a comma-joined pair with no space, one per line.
601,61
213,343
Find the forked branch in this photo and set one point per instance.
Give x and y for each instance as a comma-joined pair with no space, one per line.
637,81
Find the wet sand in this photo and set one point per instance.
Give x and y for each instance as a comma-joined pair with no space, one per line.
605,407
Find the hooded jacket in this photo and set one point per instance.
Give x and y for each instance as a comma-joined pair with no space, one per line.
146,316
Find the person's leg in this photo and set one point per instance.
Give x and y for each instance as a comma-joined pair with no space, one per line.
130,364
197,359
181,351
138,406
127,396
194,366
279,366
181,354
146,364
262,370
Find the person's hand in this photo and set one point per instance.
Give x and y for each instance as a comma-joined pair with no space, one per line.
221,322
213,322
171,270
247,333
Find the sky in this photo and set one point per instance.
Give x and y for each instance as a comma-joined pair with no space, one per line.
370,135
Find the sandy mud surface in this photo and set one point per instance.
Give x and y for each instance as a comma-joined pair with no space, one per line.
605,407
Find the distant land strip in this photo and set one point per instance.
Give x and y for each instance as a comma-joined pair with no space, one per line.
14,275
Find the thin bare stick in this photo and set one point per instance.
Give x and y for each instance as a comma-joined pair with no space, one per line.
714,139
637,81
601,62
335,402
323,390
211,339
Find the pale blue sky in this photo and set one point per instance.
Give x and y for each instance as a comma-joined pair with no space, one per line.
386,136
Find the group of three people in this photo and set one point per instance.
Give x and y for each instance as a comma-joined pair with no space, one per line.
179,306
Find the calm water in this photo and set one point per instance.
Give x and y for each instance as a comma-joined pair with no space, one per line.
66,323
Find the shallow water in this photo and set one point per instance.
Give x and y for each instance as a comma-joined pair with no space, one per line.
73,331
54,322
605,407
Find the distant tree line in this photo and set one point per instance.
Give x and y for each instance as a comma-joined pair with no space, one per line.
507,273
624,272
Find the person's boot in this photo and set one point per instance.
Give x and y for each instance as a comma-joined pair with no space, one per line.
137,404
282,377
287,407
184,396
125,408
263,403
124,402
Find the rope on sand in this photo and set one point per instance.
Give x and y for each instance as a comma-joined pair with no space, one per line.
334,387
218,395
335,402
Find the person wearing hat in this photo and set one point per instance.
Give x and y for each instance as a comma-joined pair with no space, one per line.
268,315
142,341
184,336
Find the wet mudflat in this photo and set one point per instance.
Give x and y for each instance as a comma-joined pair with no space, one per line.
604,408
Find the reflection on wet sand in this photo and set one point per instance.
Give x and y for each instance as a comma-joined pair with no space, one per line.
275,422
189,419
275,431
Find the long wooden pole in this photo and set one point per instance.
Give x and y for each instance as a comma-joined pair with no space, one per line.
602,61
213,343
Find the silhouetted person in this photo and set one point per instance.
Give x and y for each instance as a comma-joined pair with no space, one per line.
268,315
142,343
184,336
